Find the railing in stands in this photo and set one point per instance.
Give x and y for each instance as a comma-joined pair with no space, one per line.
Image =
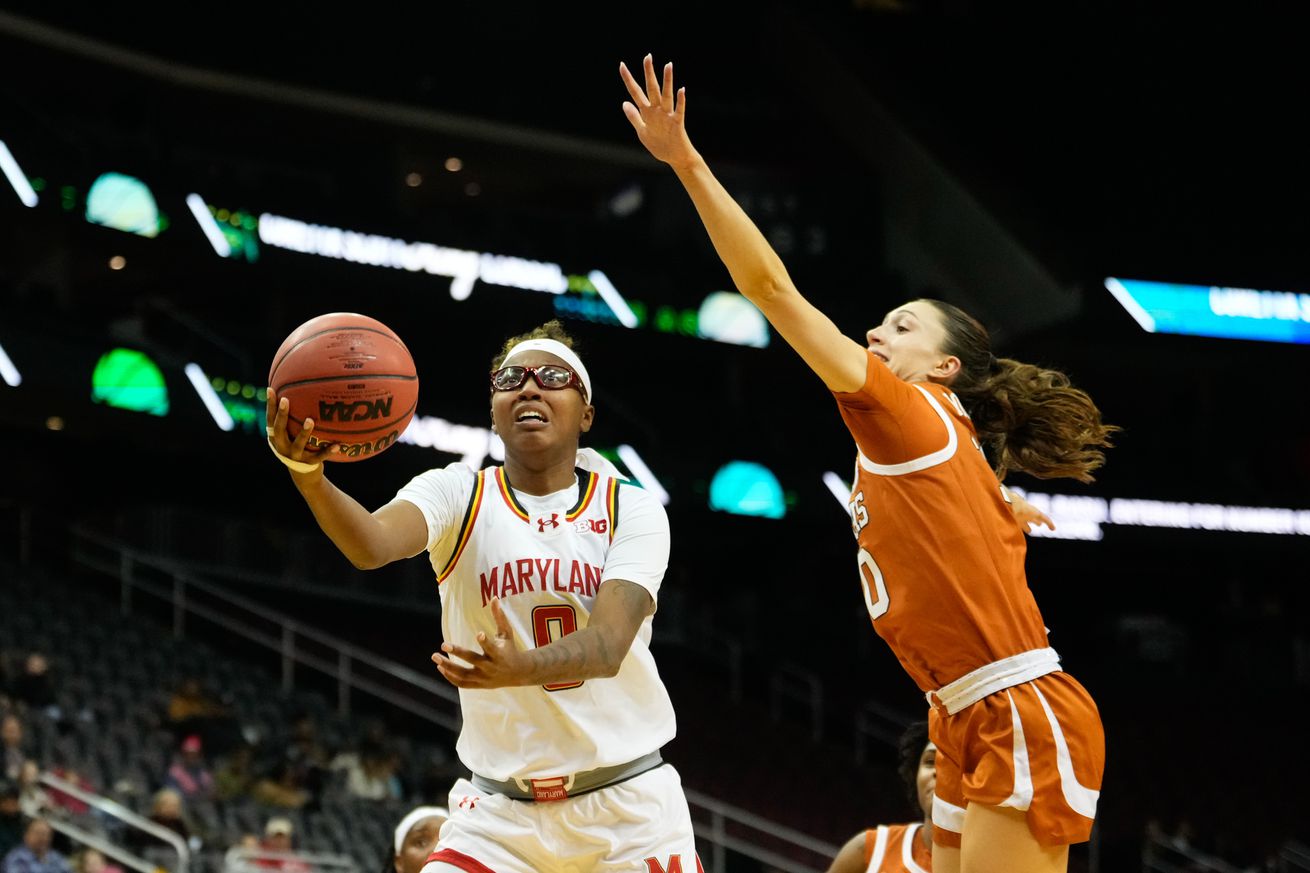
732,829
790,683
129,818
726,828
344,662
873,721
1164,855
1294,857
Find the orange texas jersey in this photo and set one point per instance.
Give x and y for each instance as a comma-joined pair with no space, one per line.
896,849
941,556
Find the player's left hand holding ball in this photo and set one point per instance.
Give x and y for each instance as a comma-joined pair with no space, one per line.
275,414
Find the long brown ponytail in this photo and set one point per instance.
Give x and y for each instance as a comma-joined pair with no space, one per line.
1028,418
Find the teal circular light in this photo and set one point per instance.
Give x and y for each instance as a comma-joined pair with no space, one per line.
747,488
123,203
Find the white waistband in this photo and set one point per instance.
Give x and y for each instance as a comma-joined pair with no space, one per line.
993,677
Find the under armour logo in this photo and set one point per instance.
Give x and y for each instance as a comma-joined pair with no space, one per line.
553,521
467,802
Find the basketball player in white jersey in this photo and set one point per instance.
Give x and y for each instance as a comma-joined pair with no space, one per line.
549,568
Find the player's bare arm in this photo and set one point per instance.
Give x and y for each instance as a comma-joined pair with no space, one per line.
594,652
658,115
851,857
368,539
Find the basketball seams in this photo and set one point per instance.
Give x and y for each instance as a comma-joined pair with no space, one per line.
351,377
388,333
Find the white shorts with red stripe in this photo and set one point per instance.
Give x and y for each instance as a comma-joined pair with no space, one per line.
641,825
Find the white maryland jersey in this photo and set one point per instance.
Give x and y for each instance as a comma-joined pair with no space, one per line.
545,557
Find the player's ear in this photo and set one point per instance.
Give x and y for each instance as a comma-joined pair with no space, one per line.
588,416
948,368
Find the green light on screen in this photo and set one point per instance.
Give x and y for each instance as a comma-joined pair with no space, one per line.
123,203
747,488
127,379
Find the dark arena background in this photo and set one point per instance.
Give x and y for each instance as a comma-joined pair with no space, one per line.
1116,192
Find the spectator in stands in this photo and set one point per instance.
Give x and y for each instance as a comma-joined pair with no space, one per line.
67,801
307,754
35,854
188,774
11,746
370,772
437,772
235,777
33,686
192,710
32,798
281,788
416,838
166,810
11,817
92,861
279,835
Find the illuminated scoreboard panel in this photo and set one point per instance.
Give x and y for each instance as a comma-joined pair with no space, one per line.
1214,311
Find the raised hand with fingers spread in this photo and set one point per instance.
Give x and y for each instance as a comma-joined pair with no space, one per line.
658,114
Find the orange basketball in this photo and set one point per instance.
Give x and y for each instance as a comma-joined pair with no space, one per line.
354,377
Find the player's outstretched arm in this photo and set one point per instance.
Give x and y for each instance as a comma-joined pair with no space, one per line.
658,114
369,540
594,652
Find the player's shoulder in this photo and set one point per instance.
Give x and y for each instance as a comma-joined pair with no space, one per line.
456,476
456,471
635,510
632,494
937,391
947,398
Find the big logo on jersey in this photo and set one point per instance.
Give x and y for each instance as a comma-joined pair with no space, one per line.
592,525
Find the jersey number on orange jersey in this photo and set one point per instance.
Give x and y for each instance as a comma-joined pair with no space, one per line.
875,589
550,623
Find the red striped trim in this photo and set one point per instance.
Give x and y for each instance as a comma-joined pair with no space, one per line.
508,494
612,505
460,860
585,499
466,529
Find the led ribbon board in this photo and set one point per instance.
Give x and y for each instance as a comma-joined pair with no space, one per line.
1228,313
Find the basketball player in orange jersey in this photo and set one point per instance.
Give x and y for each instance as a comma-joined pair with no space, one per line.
548,569
899,848
1020,749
